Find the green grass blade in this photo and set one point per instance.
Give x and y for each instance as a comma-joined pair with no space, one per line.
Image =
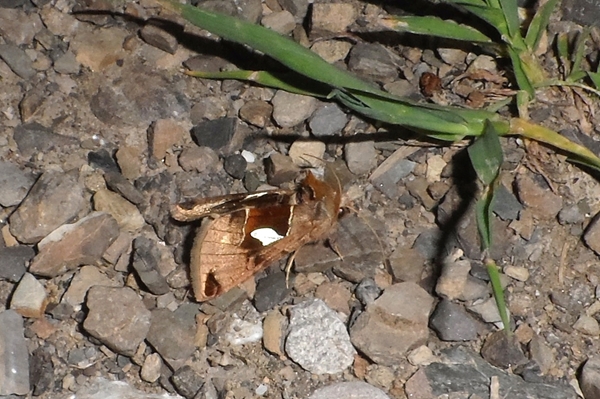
486,155
562,48
434,26
290,82
281,48
510,10
577,153
595,78
578,52
539,23
498,293
492,16
520,72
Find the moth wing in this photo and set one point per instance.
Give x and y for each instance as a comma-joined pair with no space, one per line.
224,255
201,207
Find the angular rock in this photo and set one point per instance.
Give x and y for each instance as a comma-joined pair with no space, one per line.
14,359
55,198
14,184
72,245
145,263
589,380
463,373
33,138
17,60
318,340
328,120
350,389
502,350
542,201
117,317
360,156
216,134
394,324
86,278
291,109
125,213
451,284
162,135
172,334
453,323
13,261
30,298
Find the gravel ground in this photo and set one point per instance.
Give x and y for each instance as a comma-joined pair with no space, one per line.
102,134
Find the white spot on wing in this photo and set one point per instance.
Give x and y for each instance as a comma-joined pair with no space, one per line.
266,235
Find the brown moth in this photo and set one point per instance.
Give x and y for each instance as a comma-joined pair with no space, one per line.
242,234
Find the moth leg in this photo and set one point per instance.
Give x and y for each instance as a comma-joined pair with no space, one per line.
335,249
288,268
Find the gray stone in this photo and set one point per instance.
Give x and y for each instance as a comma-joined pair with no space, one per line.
583,12
453,323
453,279
506,204
13,261
126,214
589,380
14,358
159,37
30,298
394,324
86,278
571,214
360,156
14,184
328,120
117,317
465,374
145,263
371,60
55,198
67,64
385,178
318,340
76,244
33,138
349,390
282,22
172,335
125,102
270,291
17,60
292,109
216,134
18,26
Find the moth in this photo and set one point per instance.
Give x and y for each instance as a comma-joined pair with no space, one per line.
242,234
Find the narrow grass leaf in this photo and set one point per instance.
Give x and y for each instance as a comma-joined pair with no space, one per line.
486,155
492,16
579,50
520,73
577,153
595,78
562,48
510,9
538,24
498,293
290,82
434,26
